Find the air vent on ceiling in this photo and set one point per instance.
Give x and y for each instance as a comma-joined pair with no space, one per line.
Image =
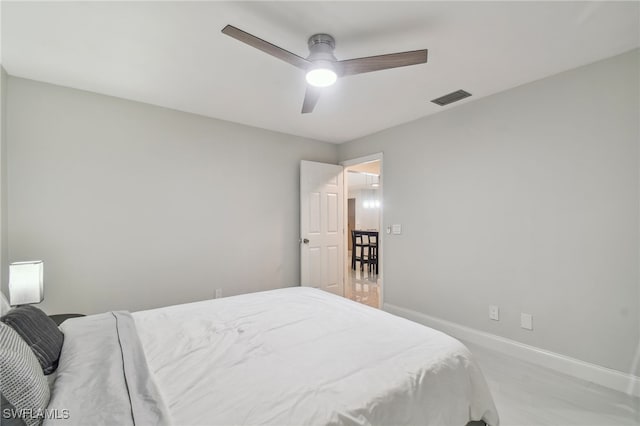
451,97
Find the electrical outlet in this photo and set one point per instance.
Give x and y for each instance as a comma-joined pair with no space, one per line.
218,293
494,313
526,321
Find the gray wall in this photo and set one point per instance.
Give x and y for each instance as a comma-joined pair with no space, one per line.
528,199
133,206
4,240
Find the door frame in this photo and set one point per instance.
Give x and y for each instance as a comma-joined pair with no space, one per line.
349,229
352,162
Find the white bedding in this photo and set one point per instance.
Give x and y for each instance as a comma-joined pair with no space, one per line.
102,376
302,356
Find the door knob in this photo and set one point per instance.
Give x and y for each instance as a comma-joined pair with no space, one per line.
306,241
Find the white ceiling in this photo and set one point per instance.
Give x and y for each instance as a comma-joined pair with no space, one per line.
172,54
371,167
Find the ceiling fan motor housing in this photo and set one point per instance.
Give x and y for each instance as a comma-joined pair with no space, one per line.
321,48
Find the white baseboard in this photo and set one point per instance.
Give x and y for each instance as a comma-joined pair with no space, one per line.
613,379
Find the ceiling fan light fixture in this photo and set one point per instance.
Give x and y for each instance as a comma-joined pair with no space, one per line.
321,74
321,66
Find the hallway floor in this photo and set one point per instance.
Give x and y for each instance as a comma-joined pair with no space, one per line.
363,286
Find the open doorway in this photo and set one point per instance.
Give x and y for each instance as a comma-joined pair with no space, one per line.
363,256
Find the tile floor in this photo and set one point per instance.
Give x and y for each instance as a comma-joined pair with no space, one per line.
526,394
363,286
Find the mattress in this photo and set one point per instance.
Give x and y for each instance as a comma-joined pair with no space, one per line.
303,356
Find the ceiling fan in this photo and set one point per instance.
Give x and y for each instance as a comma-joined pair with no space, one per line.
321,66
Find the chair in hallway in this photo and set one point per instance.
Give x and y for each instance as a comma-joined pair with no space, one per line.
372,256
358,242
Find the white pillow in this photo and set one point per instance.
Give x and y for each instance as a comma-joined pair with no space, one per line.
4,304
23,383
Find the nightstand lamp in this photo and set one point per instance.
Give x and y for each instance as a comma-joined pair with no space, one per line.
26,282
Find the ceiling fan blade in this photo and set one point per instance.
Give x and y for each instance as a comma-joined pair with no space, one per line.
381,62
265,46
311,97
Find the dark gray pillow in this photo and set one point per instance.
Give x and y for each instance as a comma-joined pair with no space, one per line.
40,332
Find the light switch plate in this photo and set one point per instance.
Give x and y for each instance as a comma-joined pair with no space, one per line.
494,313
526,321
396,229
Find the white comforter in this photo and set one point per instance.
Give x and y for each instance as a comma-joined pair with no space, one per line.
300,356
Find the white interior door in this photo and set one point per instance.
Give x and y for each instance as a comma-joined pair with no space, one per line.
322,226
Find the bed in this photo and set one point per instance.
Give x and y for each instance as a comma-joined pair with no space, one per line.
294,356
